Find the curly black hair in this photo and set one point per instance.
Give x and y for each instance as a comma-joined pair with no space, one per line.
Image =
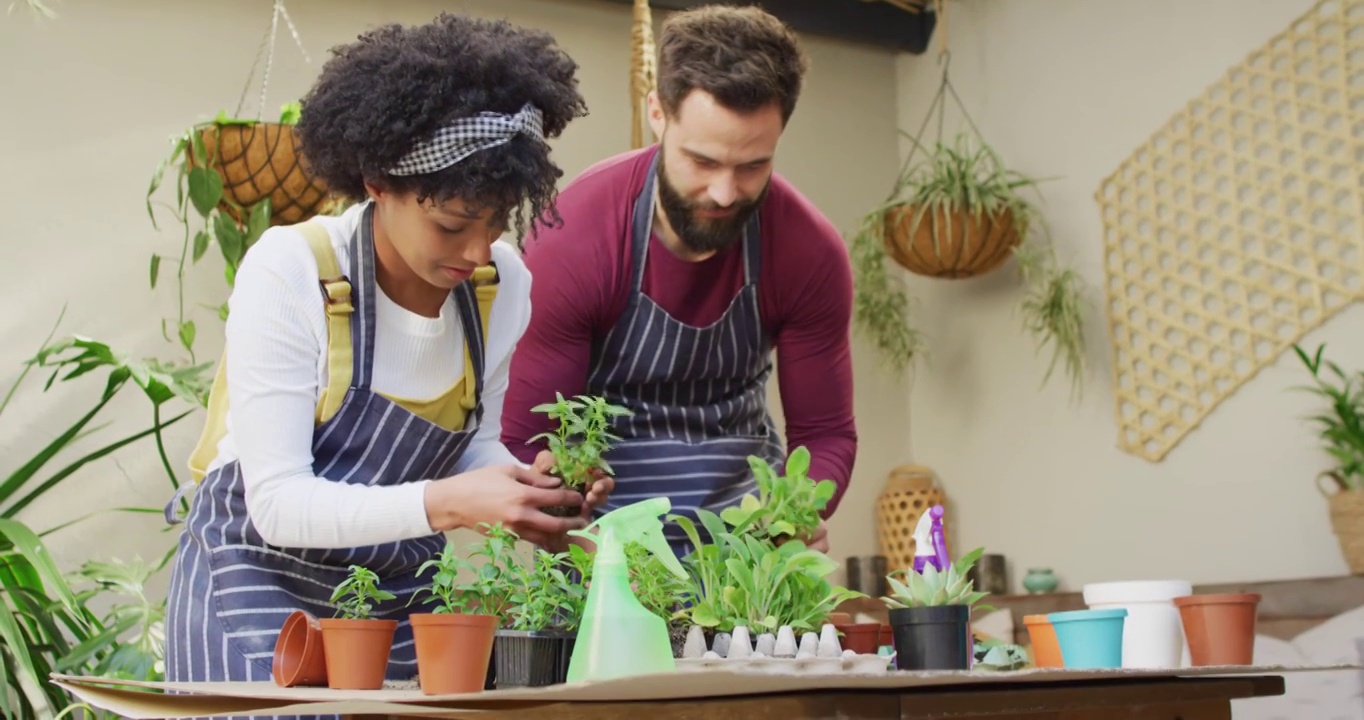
395,85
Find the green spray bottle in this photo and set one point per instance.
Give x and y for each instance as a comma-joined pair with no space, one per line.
617,635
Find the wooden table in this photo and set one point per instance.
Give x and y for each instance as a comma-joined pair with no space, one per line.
1203,698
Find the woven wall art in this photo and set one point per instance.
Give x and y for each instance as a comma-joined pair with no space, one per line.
1236,228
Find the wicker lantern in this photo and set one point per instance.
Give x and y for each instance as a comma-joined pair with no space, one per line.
909,493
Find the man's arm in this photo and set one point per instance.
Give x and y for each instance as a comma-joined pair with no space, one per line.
814,360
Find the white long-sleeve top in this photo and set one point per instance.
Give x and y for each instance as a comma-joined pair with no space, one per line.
277,368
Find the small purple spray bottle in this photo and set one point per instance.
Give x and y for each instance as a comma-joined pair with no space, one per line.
930,544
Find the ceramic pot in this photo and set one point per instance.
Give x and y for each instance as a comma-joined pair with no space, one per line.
1153,635
1220,628
861,638
533,658
453,651
1089,638
1046,652
357,652
1040,580
299,659
932,638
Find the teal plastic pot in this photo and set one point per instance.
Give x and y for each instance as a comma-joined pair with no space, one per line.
1090,638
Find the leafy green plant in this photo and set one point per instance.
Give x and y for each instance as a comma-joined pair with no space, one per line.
745,579
656,587
580,442
1342,427
787,505
933,588
543,597
356,596
487,589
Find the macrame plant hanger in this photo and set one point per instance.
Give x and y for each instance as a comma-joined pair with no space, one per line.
643,73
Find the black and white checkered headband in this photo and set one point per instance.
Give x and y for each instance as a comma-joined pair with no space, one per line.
467,136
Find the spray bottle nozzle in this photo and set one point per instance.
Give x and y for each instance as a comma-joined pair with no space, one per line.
638,522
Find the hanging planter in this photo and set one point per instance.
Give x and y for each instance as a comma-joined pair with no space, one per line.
957,211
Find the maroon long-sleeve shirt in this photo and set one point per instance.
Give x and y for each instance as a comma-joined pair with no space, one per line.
581,282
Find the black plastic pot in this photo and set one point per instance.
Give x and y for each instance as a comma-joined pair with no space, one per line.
532,658
932,638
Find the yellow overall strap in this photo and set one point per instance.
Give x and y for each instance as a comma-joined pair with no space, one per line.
485,280
338,306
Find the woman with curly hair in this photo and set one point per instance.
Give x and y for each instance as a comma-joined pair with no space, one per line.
367,353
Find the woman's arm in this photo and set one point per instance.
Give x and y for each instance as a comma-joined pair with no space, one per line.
275,338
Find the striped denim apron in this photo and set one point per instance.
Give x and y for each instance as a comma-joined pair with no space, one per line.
230,592
698,394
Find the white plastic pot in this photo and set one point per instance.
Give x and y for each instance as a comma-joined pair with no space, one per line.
1153,634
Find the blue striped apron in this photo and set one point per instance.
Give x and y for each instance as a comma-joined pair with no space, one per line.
230,592
698,394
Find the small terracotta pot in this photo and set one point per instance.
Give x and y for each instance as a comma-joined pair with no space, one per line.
1220,628
839,618
299,658
453,651
1046,650
886,636
861,638
357,652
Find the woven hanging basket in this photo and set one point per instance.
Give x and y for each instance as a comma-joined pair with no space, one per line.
908,493
262,159
1347,521
967,244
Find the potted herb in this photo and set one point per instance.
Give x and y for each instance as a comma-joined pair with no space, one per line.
1341,429
959,212
454,641
357,645
545,607
930,615
580,441
786,506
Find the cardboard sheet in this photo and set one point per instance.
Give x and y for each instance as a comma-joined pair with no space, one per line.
140,700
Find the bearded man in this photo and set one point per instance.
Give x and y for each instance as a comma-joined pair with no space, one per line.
679,268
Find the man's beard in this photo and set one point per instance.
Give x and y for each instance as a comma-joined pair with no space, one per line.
703,235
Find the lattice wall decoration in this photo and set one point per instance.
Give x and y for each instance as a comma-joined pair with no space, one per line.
1236,228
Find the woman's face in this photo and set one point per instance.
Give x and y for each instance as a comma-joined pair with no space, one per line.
441,243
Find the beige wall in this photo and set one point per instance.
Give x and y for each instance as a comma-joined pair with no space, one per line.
1067,88
91,98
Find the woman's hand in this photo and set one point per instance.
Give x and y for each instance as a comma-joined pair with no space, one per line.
602,484
507,494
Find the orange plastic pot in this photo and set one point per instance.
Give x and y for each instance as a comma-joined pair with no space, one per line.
1220,629
357,652
861,638
453,651
1046,649
299,659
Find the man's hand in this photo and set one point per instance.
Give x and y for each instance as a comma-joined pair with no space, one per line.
819,540
602,484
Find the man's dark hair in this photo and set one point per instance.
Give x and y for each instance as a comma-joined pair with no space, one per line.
394,86
743,56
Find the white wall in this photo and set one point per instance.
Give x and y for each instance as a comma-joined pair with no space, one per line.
91,98
1066,89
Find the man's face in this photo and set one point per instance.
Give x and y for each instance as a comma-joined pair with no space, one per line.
713,168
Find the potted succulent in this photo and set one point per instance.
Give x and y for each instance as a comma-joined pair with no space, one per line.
356,644
544,608
580,441
1341,430
930,615
454,641
958,212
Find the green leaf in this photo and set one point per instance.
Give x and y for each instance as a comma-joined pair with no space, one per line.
155,269
230,239
257,222
201,240
187,334
205,189
290,113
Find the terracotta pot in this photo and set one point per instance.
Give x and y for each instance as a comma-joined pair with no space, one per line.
1046,650
886,636
861,638
839,618
357,652
1220,628
299,658
453,651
